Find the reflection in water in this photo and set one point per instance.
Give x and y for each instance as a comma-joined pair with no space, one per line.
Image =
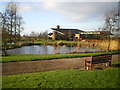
50,50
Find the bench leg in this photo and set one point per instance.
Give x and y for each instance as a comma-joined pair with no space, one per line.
110,63
91,67
85,64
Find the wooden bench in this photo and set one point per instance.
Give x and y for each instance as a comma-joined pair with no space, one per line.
98,59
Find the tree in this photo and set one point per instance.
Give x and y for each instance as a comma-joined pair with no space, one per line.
41,35
14,21
103,34
45,35
10,24
5,34
111,23
36,36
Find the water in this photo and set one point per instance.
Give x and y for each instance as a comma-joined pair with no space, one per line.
50,50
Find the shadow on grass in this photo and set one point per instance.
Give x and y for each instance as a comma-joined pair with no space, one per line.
99,68
116,65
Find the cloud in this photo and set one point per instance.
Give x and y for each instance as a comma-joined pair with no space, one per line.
79,11
22,7
60,0
25,7
73,11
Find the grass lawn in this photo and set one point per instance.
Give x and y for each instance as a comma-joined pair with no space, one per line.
107,78
28,57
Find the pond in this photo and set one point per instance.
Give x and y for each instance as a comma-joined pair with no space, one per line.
50,50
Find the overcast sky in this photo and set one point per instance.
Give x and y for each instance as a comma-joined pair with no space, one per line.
41,16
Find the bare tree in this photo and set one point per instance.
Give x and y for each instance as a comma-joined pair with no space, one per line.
37,36
45,35
4,31
103,33
10,22
111,23
14,20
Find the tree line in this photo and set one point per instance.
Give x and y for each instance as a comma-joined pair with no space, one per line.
36,36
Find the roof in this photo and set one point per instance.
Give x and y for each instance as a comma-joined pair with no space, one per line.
91,32
65,29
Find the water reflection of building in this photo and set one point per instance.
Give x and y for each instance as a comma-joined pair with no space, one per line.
56,51
72,34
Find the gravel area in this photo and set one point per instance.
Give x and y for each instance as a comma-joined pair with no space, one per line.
46,65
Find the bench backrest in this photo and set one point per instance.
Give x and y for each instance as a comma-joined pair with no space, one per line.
101,58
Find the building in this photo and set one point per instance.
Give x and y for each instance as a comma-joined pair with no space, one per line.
72,34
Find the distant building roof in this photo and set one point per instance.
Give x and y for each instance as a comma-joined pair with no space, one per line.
66,30
91,32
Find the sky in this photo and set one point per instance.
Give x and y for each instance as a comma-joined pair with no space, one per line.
41,15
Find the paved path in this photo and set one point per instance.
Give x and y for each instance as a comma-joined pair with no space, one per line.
45,65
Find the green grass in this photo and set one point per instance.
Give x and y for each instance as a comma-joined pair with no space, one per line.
28,57
107,78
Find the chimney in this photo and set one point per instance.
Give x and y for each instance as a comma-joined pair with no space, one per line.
58,27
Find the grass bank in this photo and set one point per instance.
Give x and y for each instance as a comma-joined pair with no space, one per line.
56,42
28,57
12,46
107,78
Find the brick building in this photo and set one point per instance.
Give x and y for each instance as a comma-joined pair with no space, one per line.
72,34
